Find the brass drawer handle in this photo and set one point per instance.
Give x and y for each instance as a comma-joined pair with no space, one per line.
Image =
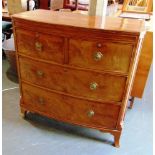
40,73
41,100
93,86
99,45
38,46
98,56
90,113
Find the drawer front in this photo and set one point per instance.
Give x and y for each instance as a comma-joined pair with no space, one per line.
70,109
42,74
76,82
100,55
40,45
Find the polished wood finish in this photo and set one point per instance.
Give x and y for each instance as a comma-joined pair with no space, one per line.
74,83
96,23
38,46
144,65
69,109
115,56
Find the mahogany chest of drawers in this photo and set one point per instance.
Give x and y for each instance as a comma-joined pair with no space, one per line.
75,68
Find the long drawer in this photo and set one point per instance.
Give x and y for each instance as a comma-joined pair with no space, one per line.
69,109
101,55
76,82
40,45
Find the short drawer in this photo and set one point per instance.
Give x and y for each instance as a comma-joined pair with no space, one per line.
69,109
100,55
40,45
87,84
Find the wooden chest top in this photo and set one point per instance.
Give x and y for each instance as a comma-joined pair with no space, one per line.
83,21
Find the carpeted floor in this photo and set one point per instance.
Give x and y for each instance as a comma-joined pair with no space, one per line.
41,136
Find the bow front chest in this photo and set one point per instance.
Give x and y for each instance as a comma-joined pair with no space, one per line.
76,68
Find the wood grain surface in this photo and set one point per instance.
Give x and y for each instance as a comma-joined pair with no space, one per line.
51,46
144,65
72,81
115,56
76,68
78,20
70,109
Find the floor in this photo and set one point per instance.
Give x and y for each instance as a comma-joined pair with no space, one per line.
41,136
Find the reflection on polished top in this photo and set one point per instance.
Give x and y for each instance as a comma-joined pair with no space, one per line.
79,20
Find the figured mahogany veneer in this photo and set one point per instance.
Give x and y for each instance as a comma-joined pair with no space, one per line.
76,82
115,56
79,71
66,108
40,45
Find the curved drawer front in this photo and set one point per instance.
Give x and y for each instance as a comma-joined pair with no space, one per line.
42,74
95,85
76,82
40,45
69,109
100,55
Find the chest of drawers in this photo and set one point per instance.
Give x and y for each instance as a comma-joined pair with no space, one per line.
75,68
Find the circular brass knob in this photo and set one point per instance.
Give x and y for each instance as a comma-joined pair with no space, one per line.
93,86
41,100
99,45
40,73
38,46
98,56
90,113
